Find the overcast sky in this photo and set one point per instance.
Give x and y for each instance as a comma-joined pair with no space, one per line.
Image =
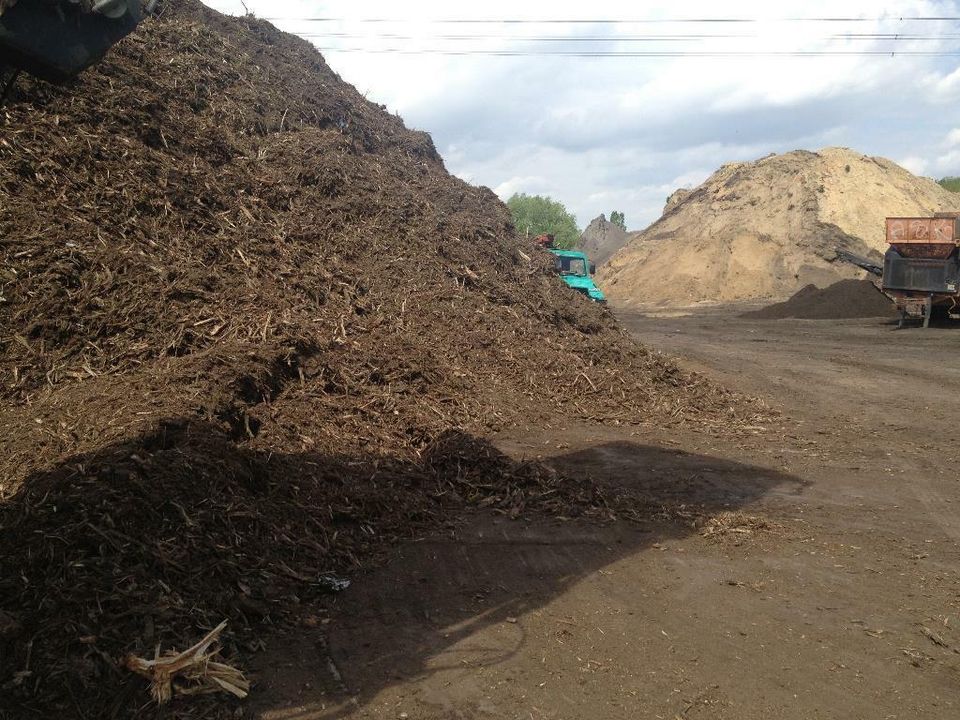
621,133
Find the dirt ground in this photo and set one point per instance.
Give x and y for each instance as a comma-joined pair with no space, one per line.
815,575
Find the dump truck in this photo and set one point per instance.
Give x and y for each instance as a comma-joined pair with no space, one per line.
574,267
921,268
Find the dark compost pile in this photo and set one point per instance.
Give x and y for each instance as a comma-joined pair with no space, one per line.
251,331
844,299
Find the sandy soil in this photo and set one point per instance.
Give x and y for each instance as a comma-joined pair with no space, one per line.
765,229
822,584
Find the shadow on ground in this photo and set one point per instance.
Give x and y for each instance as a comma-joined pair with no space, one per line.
149,541
429,610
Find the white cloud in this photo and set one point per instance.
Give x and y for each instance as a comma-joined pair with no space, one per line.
916,165
530,184
622,133
944,87
690,179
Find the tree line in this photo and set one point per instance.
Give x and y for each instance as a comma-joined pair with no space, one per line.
537,214
950,183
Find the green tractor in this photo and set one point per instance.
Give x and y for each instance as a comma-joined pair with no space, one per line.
574,267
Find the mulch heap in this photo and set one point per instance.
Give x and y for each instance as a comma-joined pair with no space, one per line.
251,333
844,299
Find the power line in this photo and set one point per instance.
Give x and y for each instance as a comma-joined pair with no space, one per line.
606,21
879,37
649,54
524,38
618,38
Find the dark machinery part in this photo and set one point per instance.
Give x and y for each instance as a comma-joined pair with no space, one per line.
6,83
57,39
860,262
921,274
923,308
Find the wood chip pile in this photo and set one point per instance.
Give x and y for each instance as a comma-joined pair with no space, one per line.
252,332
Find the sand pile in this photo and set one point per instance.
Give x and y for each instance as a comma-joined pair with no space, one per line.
252,331
844,299
765,229
601,239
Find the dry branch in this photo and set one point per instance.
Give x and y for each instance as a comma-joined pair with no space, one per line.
190,672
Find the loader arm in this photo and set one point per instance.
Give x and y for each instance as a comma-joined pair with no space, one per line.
864,263
57,39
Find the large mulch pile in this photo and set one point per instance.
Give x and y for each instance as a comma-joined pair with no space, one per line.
844,299
252,332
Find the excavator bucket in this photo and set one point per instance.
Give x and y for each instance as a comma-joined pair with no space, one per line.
57,39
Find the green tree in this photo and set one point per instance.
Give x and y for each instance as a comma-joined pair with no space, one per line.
950,183
536,214
617,218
